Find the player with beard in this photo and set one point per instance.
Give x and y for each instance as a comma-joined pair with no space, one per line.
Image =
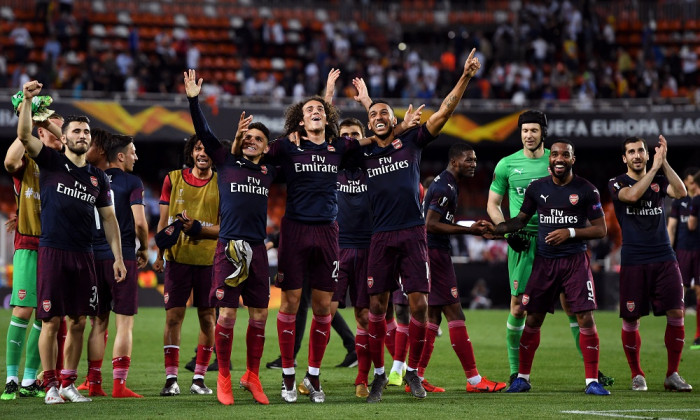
72,190
512,175
439,208
682,226
564,203
398,245
244,185
191,197
25,177
649,273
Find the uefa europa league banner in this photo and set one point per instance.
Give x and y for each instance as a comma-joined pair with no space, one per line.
171,121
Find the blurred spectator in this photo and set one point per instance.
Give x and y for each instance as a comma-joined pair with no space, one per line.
22,41
480,293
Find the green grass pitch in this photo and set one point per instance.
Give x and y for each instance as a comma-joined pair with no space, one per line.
557,378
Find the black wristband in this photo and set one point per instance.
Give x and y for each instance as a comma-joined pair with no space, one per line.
196,228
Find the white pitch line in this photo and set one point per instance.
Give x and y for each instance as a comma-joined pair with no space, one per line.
618,413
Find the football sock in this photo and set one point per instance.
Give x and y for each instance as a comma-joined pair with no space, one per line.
377,332
318,339
120,371
172,360
391,336
416,337
94,375
674,339
255,342
32,360
223,340
463,347
573,323
202,361
514,330
363,359
286,330
50,379
401,343
529,342
589,349
631,344
68,377
16,334
430,334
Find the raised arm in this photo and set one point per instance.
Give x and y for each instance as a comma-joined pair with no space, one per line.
24,127
362,94
192,88
243,123
676,187
109,221
330,85
438,120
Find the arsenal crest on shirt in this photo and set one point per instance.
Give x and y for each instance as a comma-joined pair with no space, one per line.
573,199
331,148
263,169
655,187
397,144
93,180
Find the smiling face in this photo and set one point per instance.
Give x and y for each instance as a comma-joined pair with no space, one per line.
254,144
200,157
314,117
636,156
381,119
561,160
465,164
77,137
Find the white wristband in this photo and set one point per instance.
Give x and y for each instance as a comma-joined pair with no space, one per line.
572,233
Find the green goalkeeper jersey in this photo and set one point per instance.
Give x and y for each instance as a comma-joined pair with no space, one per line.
513,174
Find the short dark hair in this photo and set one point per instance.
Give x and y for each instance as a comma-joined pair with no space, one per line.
100,138
457,149
380,101
696,178
262,127
71,118
189,147
533,116
690,171
348,122
56,116
566,141
633,139
117,145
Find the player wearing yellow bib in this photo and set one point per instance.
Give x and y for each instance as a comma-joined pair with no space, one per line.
512,176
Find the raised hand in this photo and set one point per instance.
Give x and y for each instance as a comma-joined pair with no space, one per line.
330,84
192,85
362,93
243,123
660,153
472,65
31,89
412,118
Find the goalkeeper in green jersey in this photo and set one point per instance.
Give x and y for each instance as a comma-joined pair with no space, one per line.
512,175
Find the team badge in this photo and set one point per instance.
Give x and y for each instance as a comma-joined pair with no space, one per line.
166,297
397,144
630,305
263,169
526,299
21,294
46,305
169,230
280,277
655,187
454,292
94,181
331,148
515,284
219,294
573,199
370,281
